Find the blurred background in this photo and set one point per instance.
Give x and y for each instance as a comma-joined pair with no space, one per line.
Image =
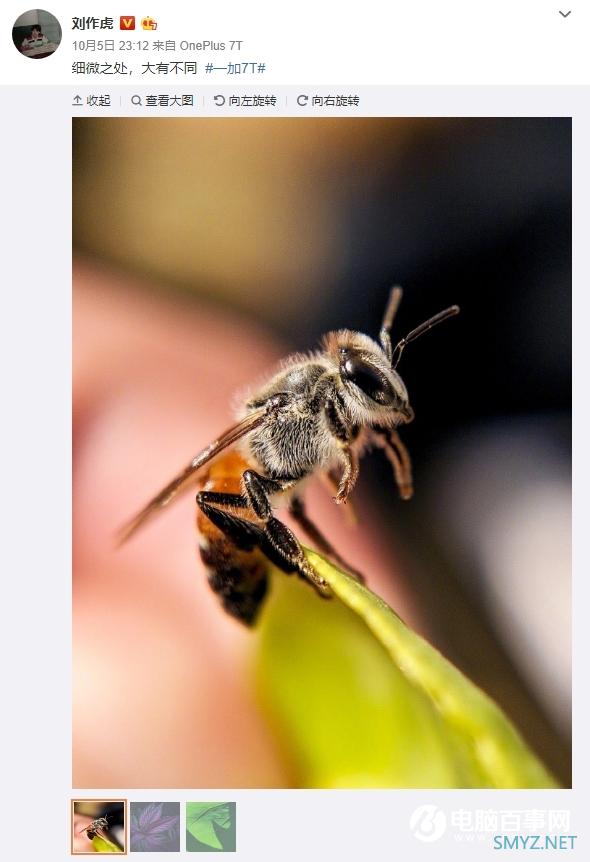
285,229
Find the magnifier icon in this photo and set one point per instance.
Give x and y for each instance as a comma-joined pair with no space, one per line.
136,100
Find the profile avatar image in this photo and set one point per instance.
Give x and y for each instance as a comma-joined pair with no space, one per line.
36,34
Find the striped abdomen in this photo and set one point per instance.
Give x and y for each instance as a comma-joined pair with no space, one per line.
239,575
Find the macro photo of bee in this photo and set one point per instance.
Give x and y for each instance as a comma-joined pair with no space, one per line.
279,487
318,414
97,827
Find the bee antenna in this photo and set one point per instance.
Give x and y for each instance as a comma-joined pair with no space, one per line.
395,297
420,330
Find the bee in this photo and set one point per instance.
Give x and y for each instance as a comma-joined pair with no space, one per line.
319,413
97,827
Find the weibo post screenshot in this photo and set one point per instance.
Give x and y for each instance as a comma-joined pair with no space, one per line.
293,389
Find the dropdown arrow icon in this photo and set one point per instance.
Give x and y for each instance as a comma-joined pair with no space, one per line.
565,14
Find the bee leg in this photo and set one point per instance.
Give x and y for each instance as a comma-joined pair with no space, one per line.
274,539
299,513
331,481
280,543
399,458
345,435
244,534
349,474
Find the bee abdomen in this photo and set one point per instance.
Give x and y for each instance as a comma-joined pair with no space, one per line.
238,576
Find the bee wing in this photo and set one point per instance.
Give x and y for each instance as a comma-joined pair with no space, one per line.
184,479
84,829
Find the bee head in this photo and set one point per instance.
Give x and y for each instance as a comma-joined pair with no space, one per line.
375,393
371,389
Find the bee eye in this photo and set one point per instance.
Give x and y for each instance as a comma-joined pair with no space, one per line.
367,378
